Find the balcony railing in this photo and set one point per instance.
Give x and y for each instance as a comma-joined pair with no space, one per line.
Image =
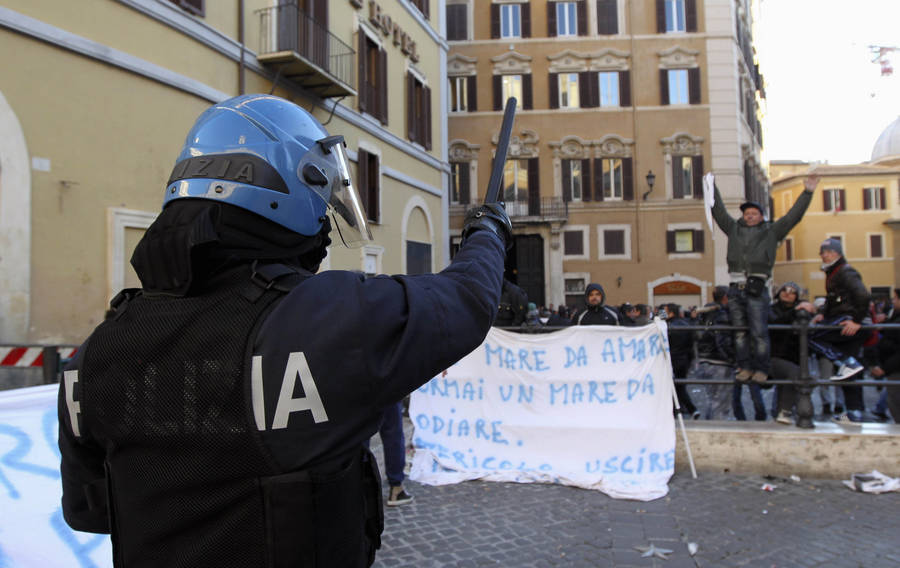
536,210
304,51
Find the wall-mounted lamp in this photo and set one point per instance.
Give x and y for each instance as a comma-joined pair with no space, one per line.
651,179
619,282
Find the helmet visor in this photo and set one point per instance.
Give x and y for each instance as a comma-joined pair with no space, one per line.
339,193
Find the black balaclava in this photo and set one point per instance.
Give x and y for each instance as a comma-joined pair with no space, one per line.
193,239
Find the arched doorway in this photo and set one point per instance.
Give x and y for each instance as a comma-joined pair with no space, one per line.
677,289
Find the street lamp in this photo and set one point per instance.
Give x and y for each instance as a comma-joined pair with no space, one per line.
651,179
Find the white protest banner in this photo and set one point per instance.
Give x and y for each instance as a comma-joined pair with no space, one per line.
709,199
586,406
33,533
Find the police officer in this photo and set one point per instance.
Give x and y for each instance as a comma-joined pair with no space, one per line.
512,309
217,416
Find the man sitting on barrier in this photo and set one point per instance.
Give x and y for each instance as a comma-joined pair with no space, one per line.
786,309
846,305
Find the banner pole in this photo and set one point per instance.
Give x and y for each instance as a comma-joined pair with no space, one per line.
687,445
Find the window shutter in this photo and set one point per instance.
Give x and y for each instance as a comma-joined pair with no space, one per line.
663,87
607,17
670,241
373,188
427,114
581,16
584,88
625,88
362,170
660,16
498,91
526,92
553,83
598,180
697,174
382,85
534,187
362,79
826,200
526,19
698,240
463,173
677,189
867,201
411,108
426,8
694,86
471,93
585,180
881,194
551,19
456,22
875,246
495,21
690,15
843,202
566,180
627,179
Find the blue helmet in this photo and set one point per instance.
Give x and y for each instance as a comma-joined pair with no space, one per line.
269,156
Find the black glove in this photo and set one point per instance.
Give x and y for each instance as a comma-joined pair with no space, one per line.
491,217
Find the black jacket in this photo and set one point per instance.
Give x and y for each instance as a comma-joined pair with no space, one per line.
717,346
785,343
201,453
600,314
513,304
846,293
681,344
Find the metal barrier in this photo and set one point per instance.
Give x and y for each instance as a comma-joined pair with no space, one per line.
804,383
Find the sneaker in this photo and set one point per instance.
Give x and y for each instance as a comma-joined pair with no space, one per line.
743,375
695,415
849,418
759,377
398,496
849,368
784,417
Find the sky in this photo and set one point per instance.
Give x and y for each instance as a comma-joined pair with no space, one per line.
825,100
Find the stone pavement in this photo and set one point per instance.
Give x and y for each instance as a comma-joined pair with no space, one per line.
730,518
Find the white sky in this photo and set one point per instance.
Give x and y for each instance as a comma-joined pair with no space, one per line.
825,99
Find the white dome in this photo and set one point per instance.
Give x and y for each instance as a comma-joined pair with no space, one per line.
888,143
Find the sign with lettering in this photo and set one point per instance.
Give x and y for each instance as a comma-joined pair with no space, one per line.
587,406
33,533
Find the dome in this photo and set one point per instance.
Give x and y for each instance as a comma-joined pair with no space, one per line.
888,143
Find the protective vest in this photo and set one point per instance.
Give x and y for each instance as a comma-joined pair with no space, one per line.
189,482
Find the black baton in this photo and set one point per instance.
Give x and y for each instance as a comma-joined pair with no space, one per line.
496,181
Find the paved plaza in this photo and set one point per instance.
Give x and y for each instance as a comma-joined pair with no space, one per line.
732,521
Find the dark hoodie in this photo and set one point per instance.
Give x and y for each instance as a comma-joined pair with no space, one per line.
601,314
786,344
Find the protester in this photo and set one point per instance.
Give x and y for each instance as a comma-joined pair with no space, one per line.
715,355
846,305
532,321
182,429
787,309
560,318
751,255
681,349
888,357
629,314
512,307
644,314
596,312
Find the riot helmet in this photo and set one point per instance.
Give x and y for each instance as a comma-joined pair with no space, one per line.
269,156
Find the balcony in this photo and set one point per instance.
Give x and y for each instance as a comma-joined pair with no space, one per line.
304,51
543,210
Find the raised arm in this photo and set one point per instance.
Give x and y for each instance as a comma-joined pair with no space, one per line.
723,219
784,225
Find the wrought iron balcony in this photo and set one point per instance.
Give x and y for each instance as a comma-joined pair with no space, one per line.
541,210
304,51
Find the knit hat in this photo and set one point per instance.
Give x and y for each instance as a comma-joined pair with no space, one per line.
832,244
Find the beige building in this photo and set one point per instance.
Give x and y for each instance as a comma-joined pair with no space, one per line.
858,204
97,96
623,105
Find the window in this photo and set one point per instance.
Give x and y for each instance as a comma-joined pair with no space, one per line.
457,22
515,186
682,240
195,7
566,20
789,249
568,90
687,177
833,200
369,180
611,176
575,178
510,20
518,86
422,5
575,289
418,257
418,111
458,94
614,242
607,17
675,16
459,182
876,246
512,87
679,86
873,198
372,97
609,88
455,242
574,242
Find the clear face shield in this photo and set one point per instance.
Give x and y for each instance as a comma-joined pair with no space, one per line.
329,155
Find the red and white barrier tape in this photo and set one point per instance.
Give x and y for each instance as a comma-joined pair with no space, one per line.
28,356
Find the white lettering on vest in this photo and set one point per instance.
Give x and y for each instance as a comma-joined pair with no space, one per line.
71,377
296,366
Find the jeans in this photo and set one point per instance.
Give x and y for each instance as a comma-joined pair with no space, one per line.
393,442
751,349
737,406
717,405
786,395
